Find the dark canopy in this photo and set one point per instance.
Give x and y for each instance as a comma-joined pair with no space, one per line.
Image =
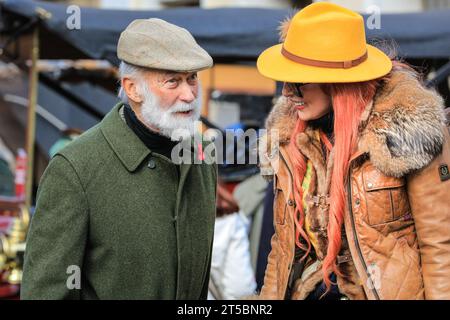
229,34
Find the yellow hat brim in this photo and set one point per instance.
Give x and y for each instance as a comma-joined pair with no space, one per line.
272,64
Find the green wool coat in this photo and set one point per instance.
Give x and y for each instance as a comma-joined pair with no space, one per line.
122,220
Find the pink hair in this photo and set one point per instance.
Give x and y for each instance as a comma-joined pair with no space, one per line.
349,101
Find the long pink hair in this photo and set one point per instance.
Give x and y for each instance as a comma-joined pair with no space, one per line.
349,101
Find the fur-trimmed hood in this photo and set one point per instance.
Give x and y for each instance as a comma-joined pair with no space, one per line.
401,129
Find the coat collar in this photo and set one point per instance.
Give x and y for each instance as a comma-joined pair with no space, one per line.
122,140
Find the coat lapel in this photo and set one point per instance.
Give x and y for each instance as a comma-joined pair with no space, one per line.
122,140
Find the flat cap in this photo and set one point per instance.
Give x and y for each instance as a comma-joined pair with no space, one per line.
157,44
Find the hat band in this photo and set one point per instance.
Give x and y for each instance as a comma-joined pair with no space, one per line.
324,64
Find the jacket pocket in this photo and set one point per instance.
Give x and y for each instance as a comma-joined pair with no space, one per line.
402,278
386,197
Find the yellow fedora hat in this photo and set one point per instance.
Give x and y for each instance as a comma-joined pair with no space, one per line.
325,43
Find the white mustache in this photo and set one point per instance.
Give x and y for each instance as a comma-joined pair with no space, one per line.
182,107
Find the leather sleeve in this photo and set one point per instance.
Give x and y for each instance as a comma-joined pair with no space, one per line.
429,197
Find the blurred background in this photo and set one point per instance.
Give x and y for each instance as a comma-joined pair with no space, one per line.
388,6
58,78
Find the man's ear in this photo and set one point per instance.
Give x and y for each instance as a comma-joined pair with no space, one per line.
131,89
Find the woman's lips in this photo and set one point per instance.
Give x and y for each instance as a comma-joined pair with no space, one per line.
300,105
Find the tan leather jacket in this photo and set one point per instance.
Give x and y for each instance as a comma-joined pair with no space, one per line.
396,233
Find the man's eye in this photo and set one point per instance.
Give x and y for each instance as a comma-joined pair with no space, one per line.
193,78
172,81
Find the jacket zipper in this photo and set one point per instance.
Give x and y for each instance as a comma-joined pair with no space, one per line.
358,248
284,214
285,162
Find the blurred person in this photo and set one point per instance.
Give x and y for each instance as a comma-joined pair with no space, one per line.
6,179
6,171
116,217
232,275
226,203
250,195
232,272
68,136
361,178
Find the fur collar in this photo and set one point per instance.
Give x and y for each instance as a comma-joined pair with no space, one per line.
401,129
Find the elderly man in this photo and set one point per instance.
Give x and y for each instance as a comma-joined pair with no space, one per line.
116,217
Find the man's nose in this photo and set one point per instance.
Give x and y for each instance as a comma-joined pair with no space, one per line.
188,93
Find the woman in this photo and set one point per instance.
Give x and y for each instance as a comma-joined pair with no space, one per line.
360,156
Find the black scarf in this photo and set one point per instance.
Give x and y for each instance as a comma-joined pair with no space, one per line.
154,141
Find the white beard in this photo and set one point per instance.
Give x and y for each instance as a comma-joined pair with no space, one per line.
165,120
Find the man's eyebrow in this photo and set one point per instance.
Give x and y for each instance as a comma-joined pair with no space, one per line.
170,73
165,75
